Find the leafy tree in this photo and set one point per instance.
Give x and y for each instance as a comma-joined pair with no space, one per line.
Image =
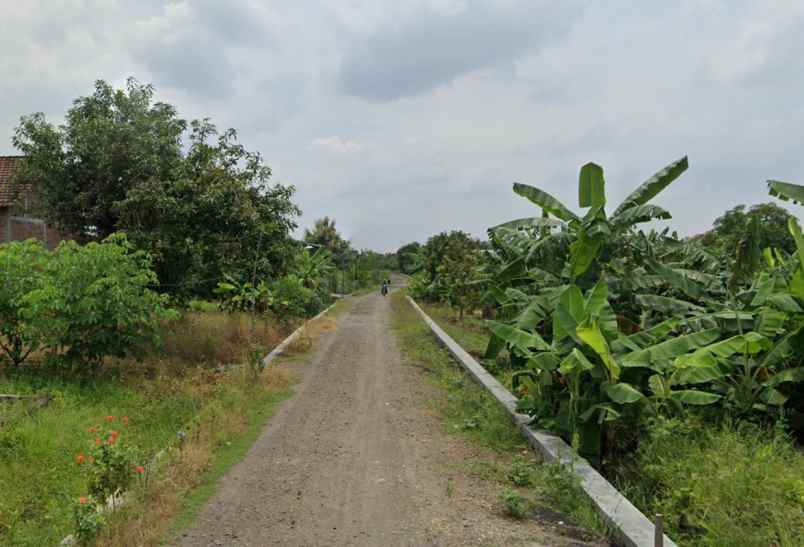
21,271
218,216
111,141
408,259
201,208
325,235
459,276
735,225
95,302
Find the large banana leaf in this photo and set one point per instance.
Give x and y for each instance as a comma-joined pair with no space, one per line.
597,306
783,349
784,302
529,222
750,342
666,305
677,279
786,191
568,313
574,362
640,213
641,340
795,375
764,287
534,313
517,338
771,322
623,393
513,270
670,349
591,186
696,374
651,187
583,252
795,231
589,332
695,397
545,201
544,361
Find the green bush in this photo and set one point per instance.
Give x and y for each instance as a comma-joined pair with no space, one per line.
95,302
21,272
291,299
80,303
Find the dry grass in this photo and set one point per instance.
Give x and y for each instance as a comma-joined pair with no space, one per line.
304,342
217,338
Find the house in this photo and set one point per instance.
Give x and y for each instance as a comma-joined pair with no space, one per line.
17,221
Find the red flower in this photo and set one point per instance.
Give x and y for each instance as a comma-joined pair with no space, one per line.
124,419
79,459
110,441
140,469
82,500
97,441
110,419
114,434
93,429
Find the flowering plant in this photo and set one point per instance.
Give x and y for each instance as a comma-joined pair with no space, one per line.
111,463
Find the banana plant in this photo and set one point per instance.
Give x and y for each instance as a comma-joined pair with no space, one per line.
243,296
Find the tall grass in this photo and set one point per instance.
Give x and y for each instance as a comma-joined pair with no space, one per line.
217,338
720,485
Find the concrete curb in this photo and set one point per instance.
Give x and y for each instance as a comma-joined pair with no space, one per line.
114,502
278,350
634,528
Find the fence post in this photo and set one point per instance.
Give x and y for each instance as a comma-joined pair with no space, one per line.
658,537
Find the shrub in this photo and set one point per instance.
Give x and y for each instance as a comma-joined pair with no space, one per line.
729,485
515,504
110,463
95,302
291,299
21,271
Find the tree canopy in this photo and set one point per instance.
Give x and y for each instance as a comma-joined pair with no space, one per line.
200,207
325,235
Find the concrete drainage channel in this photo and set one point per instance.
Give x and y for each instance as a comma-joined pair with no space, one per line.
119,500
634,528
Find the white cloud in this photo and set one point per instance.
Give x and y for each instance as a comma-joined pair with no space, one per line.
402,118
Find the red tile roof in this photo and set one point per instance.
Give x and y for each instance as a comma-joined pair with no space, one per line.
8,167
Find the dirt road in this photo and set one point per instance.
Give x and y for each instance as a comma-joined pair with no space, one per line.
355,458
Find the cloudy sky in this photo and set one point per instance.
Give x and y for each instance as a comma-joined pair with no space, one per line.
402,118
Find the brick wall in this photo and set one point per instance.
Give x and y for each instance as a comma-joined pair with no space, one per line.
14,228
3,224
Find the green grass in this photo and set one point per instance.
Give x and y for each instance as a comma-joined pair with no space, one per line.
39,477
468,410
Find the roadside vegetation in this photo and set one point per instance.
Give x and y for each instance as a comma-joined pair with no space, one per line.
524,489
131,370
647,352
